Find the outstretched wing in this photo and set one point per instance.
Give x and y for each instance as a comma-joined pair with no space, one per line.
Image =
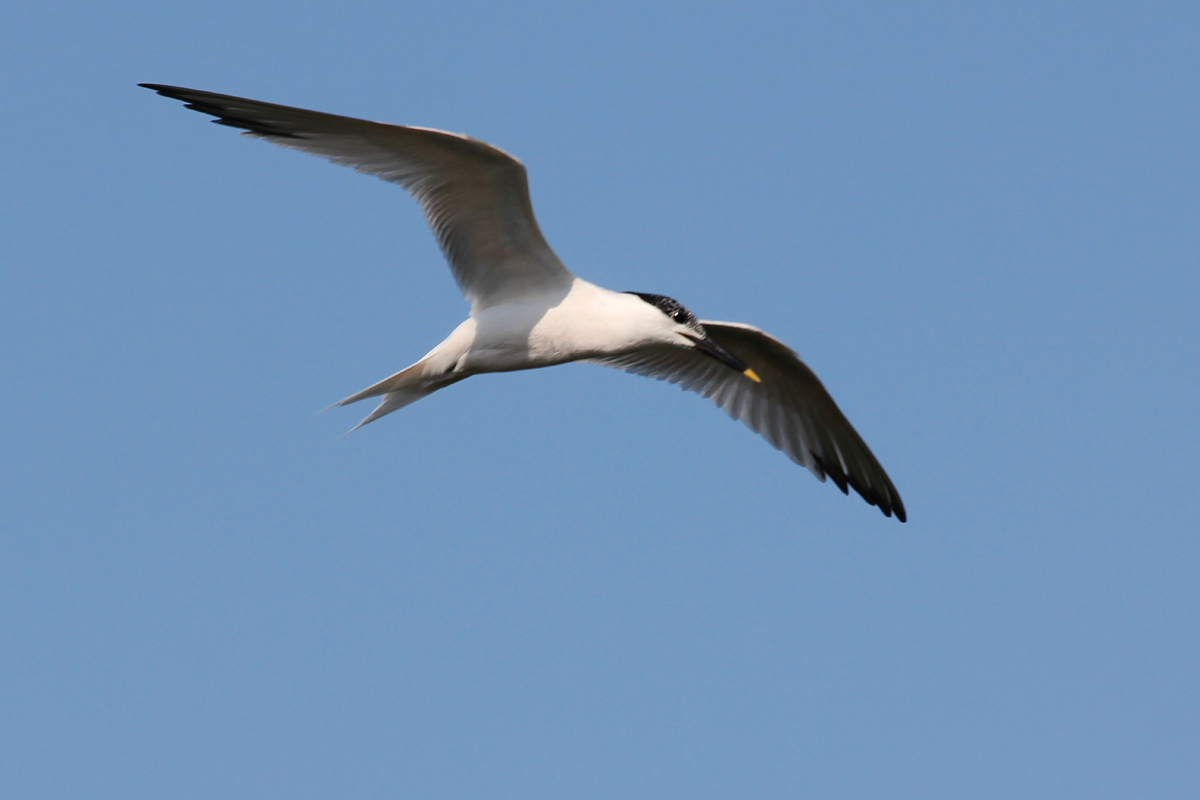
789,408
475,196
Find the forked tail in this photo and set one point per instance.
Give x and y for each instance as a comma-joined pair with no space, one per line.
404,388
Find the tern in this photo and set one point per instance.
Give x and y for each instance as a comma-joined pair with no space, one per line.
528,310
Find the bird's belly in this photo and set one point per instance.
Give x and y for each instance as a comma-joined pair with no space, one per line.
515,354
536,334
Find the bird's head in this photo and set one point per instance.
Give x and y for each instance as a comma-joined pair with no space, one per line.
681,328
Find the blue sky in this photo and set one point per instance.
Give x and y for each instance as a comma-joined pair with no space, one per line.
977,224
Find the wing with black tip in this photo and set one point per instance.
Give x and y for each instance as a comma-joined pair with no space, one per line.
475,196
789,407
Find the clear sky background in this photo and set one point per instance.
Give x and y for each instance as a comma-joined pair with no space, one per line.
976,222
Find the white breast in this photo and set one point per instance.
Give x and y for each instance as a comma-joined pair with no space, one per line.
586,322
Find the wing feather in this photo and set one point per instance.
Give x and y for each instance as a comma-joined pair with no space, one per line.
790,408
475,197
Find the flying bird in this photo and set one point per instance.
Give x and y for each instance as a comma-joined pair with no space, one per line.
528,310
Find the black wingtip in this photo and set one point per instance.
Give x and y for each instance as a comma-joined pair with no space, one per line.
218,105
162,88
889,502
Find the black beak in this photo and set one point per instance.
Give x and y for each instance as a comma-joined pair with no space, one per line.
714,350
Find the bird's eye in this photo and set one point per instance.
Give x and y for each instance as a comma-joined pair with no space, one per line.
679,316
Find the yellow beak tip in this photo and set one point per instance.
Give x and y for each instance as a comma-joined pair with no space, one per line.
749,373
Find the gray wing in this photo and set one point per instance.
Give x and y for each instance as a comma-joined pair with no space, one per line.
475,196
789,408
